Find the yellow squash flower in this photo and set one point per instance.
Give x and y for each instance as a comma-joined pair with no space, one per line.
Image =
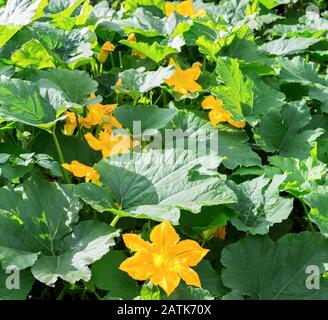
164,261
99,114
185,8
218,114
110,144
104,51
184,80
132,37
70,124
82,171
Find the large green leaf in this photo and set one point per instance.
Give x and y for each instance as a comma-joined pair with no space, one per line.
259,204
302,175
38,230
150,117
283,47
230,144
236,91
265,270
138,81
66,46
28,102
260,103
89,241
299,70
16,14
283,132
33,54
154,51
76,85
156,184
317,199
35,220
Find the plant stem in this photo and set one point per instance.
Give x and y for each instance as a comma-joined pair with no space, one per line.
60,156
307,216
164,99
112,59
120,58
101,69
114,221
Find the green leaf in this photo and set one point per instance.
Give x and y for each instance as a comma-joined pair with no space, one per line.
34,219
299,70
259,204
97,197
150,116
33,54
131,5
265,270
184,292
236,91
106,275
154,51
301,175
138,81
27,102
283,132
260,103
208,47
317,199
25,285
282,46
6,33
39,229
210,279
230,144
21,12
150,292
76,85
16,14
67,47
89,241
156,184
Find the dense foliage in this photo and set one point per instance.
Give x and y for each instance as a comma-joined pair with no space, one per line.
164,150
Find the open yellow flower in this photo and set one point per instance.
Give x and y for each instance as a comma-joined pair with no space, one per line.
218,114
185,8
104,51
110,144
82,171
164,261
184,80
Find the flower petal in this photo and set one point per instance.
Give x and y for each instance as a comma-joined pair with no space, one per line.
190,276
93,142
164,235
139,267
167,280
188,252
135,242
